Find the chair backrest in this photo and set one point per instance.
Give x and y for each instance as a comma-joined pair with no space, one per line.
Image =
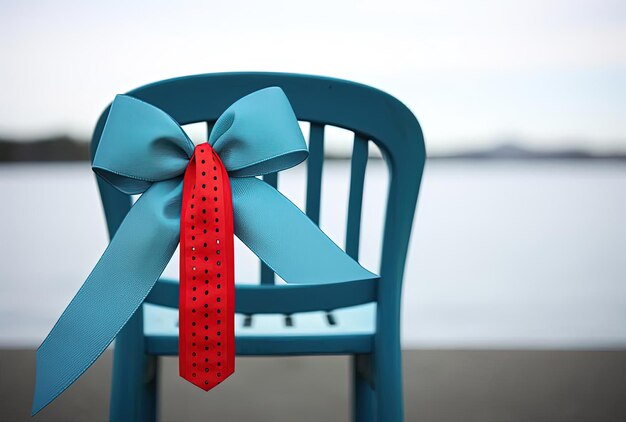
371,114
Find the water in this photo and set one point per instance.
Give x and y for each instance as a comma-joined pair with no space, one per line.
503,254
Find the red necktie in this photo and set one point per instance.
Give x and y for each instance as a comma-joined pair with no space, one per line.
207,297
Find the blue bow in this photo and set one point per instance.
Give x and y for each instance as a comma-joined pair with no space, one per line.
143,150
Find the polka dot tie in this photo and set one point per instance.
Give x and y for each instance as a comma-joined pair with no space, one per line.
207,291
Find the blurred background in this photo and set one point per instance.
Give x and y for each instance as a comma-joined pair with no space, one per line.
514,302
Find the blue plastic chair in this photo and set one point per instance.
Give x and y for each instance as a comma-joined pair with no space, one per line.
362,317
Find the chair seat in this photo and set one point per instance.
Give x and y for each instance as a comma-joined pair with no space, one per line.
268,334
281,298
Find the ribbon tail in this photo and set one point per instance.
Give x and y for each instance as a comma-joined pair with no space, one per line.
286,239
117,286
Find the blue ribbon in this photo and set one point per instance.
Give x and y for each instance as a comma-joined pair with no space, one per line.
145,151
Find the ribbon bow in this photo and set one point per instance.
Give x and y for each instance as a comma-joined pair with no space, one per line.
144,151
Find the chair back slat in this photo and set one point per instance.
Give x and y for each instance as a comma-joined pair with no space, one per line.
267,275
355,200
209,128
315,163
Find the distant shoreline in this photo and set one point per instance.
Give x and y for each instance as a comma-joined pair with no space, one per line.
65,148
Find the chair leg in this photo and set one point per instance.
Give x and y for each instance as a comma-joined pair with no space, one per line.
134,384
388,380
363,398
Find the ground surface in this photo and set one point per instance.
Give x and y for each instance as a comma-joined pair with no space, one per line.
439,386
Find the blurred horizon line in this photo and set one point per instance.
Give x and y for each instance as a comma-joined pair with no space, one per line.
69,148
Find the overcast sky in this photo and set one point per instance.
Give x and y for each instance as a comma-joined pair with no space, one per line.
547,73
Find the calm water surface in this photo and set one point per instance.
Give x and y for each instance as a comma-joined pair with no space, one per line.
503,254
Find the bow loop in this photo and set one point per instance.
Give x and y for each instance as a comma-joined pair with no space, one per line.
259,134
140,145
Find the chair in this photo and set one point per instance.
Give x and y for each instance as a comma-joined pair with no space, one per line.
363,316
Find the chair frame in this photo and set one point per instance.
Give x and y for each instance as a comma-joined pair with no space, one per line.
373,116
